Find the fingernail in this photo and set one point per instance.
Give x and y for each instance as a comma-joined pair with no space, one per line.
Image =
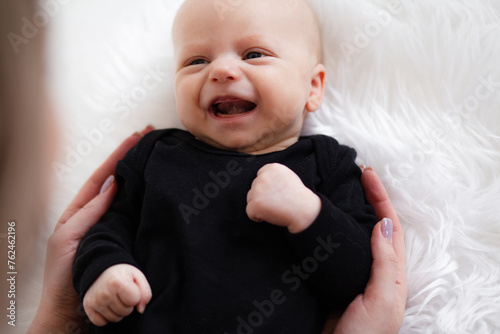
362,167
141,308
137,133
369,168
107,184
387,229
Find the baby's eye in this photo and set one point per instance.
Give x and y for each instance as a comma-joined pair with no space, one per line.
197,62
254,54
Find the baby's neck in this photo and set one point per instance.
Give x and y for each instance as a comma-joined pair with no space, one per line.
259,148
280,146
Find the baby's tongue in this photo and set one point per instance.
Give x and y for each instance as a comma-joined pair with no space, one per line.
235,107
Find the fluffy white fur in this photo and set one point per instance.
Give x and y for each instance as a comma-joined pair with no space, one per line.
407,87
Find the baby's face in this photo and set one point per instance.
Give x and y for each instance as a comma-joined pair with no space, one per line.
246,74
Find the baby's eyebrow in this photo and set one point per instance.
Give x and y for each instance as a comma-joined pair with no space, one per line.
193,47
254,38
267,42
187,50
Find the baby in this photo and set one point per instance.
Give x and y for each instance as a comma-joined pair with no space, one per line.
237,225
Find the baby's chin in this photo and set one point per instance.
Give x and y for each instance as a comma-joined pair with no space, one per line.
250,142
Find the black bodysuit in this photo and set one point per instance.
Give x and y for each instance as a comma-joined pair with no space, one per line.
179,216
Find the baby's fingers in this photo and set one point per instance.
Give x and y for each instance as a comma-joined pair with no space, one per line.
105,306
99,308
96,318
105,315
135,292
145,291
120,304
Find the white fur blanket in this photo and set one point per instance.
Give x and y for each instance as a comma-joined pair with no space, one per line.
414,86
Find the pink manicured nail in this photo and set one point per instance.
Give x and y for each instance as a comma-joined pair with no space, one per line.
107,184
387,229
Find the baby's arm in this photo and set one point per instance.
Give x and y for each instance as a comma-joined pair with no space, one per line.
111,241
332,247
115,293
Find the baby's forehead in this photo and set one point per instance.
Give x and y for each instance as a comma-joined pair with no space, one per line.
298,11
295,16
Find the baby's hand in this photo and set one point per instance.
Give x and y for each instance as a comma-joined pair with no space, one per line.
279,197
115,293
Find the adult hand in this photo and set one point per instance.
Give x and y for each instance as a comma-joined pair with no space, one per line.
60,308
380,309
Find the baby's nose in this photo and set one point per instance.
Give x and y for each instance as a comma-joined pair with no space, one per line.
224,70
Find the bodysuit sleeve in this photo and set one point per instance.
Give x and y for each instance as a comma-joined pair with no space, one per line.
111,240
334,252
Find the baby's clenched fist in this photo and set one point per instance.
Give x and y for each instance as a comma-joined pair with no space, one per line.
115,293
279,197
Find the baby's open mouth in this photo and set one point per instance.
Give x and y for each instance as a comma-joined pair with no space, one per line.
232,108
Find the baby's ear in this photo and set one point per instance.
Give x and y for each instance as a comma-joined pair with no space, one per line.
317,88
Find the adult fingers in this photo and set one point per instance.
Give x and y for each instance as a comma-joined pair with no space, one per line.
87,216
378,197
380,291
